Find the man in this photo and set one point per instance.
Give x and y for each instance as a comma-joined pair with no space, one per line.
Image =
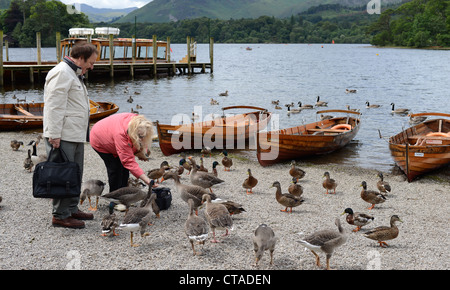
66,122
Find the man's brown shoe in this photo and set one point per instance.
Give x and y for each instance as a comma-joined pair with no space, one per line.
69,222
79,215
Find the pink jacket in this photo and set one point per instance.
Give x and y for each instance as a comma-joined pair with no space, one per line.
109,135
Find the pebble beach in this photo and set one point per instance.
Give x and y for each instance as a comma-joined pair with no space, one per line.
29,241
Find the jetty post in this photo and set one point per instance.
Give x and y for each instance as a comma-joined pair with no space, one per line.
58,47
38,47
155,55
188,41
211,53
1,58
111,55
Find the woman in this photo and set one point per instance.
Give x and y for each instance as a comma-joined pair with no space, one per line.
118,139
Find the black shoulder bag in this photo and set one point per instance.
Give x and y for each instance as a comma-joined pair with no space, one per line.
59,178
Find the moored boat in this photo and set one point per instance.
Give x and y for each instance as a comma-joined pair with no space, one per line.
24,116
422,148
307,140
230,131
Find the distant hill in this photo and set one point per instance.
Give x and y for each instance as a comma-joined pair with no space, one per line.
104,14
159,11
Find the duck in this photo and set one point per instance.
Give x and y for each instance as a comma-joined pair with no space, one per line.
217,216
326,241
186,165
194,117
202,166
384,233
195,228
293,111
203,179
264,239
28,163
91,188
329,183
227,162
15,145
368,105
320,103
325,117
249,182
225,94
305,106
157,173
206,151
295,171
214,102
275,102
155,208
295,188
130,99
277,107
232,206
137,219
400,111
109,222
371,196
416,120
286,199
349,109
357,219
187,191
352,91
127,195
383,186
138,107
34,157
214,168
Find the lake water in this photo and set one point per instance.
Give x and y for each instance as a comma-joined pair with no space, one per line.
414,79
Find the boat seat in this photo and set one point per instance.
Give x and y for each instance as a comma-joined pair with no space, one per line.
328,130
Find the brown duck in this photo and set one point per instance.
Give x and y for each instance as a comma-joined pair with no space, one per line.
296,172
383,233
157,173
227,162
382,185
249,182
295,188
371,196
286,199
357,219
329,183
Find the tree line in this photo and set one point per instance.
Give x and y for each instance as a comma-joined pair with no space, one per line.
417,23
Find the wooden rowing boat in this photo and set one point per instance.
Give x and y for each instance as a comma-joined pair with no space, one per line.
24,116
230,131
307,140
422,148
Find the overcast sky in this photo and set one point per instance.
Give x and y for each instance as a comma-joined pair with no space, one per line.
110,3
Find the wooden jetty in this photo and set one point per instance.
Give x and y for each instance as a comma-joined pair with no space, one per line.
131,57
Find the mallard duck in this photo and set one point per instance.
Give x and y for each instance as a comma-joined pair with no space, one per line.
155,208
296,172
188,191
225,94
277,102
214,169
195,227
401,111
202,166
307,106
127,195
352,91
320,103
203,179
109,222
382,185
325,241
28,163
357,219
295,188
217,216
368,105
232,207
138,107
286,199
186,165
227,162
15,145
206,151
137,219
383,233
329,183
34,157
371,196
91,188
214,102
130,99
249,182
263,240
157,173
277,107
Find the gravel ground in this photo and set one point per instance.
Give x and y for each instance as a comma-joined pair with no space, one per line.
29,241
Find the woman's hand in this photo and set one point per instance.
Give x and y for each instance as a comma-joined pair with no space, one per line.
55,142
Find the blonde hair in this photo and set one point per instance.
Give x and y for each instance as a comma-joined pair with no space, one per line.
140,131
